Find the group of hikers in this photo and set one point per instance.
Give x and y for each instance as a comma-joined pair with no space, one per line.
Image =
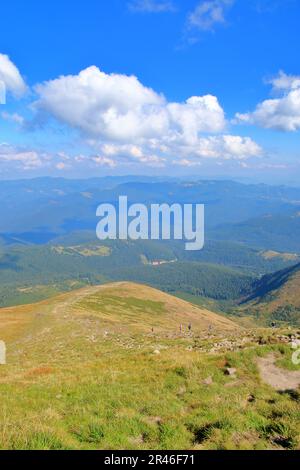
190,327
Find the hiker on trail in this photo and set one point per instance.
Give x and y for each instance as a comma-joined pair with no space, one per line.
190,327
180,328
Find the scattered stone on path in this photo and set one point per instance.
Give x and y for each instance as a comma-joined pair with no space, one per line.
137,440
295,343
251,399
231,371
262,341
157,352
181,391
208,381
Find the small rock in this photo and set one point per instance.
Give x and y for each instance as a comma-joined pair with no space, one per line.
208,381
262,341
230,371
157,352
251,399
154,420
181,391
137,440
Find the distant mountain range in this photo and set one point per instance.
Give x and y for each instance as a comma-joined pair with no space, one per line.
48,243
261,216
278,231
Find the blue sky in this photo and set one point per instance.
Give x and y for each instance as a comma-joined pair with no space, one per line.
216,89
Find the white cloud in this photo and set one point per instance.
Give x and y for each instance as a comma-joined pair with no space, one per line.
116,154
197,114
64,156
24,159
285,82
151,6
184,153
123,120
237,147
110,106
184,162
227,147
119,107
281,113
104,161
11,77
223,147
208,14
61,166
14,117
263,166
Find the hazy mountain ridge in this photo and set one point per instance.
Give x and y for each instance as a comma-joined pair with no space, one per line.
47,208
49,243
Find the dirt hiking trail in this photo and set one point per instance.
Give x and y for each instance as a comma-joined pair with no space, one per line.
279,379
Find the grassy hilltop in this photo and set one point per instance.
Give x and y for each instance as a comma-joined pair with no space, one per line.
85,371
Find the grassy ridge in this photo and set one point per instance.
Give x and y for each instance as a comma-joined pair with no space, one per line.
276,297
85,372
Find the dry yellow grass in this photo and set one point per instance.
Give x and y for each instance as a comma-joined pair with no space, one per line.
156,309
115,305
15,321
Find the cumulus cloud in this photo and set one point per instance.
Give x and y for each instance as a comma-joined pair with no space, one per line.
156,154
123,119
110,106
113,155
282,113
151,6
29,159
285,82
11,77
208,14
